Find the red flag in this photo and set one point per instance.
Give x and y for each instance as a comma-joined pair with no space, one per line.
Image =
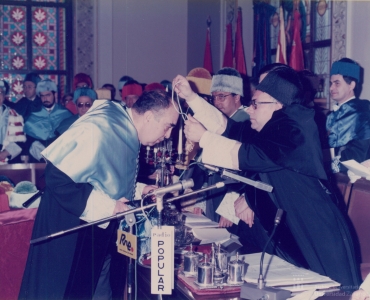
281,47
240,65
207,62
296,56
228,55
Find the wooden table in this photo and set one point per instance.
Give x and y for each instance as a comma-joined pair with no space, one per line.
181,292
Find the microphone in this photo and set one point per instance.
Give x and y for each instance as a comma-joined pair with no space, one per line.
227,174
209,167
181,185
253,292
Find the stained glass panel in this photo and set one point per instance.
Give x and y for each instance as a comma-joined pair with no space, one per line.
13,46
62,49
274,27
44,38
16,84
322,68
322,19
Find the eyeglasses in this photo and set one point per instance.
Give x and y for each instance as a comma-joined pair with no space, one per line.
87,104
254,103
220,97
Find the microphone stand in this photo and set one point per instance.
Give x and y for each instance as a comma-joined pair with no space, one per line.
123,214
131,220
253,292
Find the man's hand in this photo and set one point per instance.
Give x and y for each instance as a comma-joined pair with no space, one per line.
243,212
4,154
224,222
149,188
120,206
193,129
182,87
360,295
197,211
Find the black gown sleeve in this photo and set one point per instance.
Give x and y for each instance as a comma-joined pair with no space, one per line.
251,157
70,195
357,150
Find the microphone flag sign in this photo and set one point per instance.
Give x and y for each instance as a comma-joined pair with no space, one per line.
162,267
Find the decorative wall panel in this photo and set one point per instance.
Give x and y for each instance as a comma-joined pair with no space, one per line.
84,37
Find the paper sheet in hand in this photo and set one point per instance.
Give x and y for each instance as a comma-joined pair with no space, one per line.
211,235
356,168
226,207
198,221
279,273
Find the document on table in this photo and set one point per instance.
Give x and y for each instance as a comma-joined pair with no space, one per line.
357,168
279,273
226,208
198,221
211,235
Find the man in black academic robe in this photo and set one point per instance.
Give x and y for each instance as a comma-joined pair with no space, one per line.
283,150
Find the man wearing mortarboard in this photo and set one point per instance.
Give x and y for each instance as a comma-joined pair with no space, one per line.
348,125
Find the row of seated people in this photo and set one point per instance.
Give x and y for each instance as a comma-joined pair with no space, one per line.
36,120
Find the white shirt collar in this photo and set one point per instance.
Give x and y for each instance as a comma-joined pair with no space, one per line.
336,106
240,107
50,109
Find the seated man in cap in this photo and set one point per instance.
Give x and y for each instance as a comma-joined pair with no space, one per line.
279,146
83,98
349,123
131,91
227,93
40,126
122,82
227,96
31,102
109,86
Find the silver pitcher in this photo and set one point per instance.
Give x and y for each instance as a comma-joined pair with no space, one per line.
191,261
237,269
222,259
205,273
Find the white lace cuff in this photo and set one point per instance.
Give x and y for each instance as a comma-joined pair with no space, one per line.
98,206
211,118
220,151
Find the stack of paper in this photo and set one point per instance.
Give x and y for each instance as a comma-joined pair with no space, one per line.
226,207
279,273
198,221
357,168
211,235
